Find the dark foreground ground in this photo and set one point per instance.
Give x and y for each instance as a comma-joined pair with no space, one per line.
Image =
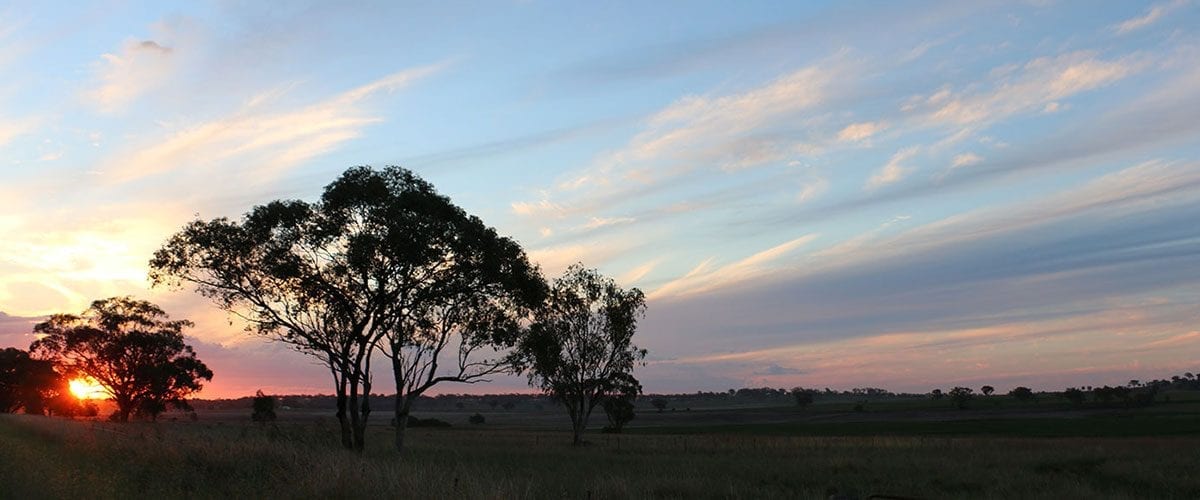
913,452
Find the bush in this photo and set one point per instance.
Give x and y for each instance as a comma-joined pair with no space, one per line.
1022,393
477,419
961,396
424,422
264,408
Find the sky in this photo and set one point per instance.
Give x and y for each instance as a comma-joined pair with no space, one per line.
906,195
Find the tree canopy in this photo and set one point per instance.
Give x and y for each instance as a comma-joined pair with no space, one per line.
580,348
381,261
26,383
129,347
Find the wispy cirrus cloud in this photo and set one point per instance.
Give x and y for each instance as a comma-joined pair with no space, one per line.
1029,87
704,278
896,168
139,67
271,139
1151,16
861,131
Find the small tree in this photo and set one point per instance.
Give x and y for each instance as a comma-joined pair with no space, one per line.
987,390
619,410
264,408
1021,393
476,419
936,394
129,347
580,348
802,396
961,396
659,403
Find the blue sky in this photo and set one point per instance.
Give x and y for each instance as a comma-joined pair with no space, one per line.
907,195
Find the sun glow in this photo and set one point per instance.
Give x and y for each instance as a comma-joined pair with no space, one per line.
86,388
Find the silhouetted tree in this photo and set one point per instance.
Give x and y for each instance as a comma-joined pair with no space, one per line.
383,262
1021,393
129,347
619,410
1074,395
580,349
961,396
264,407
987,390
30,384
659,403
936,394
803,397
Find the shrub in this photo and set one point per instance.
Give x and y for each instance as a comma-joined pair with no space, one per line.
961,396
426,422
264,408
477,419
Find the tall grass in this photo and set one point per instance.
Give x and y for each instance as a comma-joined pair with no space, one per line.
42,457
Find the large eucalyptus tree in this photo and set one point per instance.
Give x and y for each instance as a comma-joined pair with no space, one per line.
381,261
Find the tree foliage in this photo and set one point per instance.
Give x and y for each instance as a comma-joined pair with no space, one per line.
1074,395
129,347
987,390
1021,393
264,407
29,384
383,262
580,348
619,410
802,396
961,396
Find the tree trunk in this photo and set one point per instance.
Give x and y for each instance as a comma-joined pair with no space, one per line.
401,422
347,433
124,408
403,403
356,422
578,429
360,431
578,422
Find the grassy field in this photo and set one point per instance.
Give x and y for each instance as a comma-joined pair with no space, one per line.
43,457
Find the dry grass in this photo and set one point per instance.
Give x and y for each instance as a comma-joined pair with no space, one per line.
44,457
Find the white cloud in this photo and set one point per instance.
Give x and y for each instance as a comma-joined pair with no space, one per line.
702,278
598,222
860,131
538,208
639,272
895,169
139,67
10,130
1151,16
965,159
1035,86
271,140
812,189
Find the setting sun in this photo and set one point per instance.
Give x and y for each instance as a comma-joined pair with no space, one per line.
86,388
